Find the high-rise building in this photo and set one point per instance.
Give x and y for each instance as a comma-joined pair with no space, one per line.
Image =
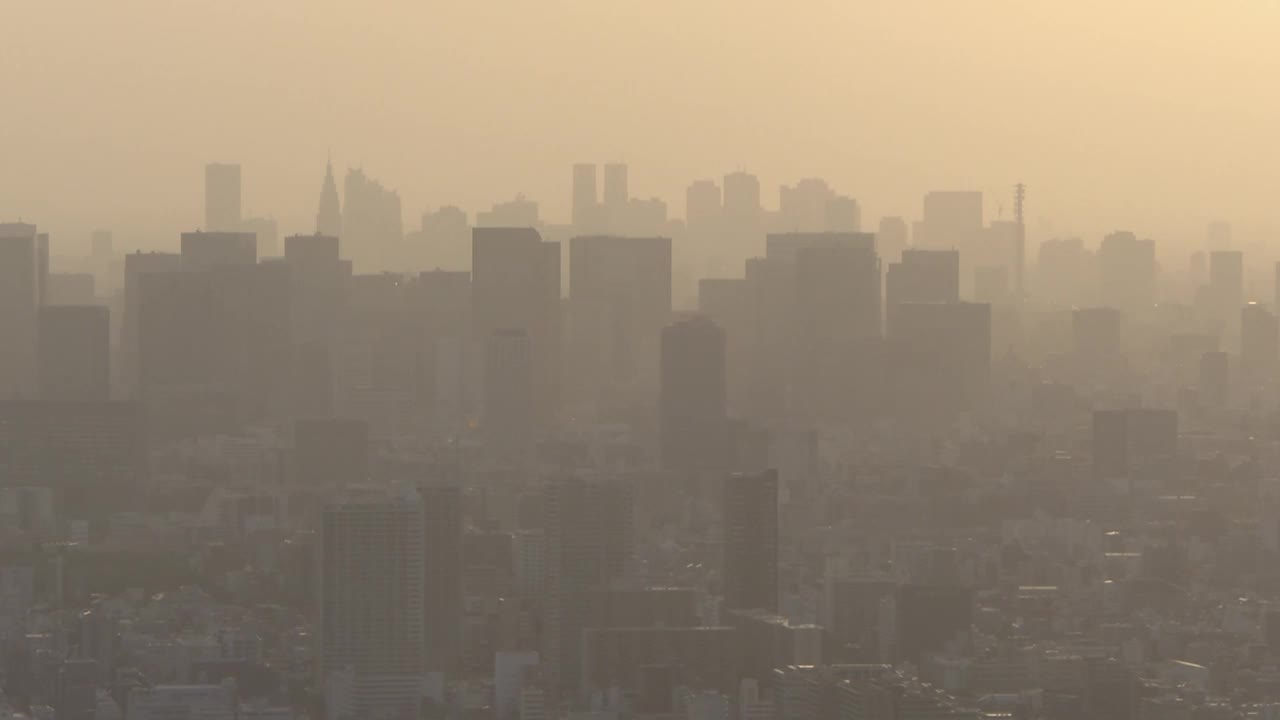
74,352
1259,344
221,197
19,298
372,589
627,281
1132,440
922,276
508,418
515,285
372,222
1226,284
941,353
589,539
135,266
94,454
1215,384
750,521
329,216
617,198
743,217
442,556
330,452
812,206
203,250
692,399
952,219
1127,272
703,211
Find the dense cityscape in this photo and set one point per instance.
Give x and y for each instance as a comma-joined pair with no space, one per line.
761,462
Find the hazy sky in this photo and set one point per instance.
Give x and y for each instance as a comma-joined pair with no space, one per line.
1147,114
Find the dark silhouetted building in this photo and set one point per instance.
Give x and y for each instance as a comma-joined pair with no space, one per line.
442,554
19,298
204,250
1133,440
692,414
750,566
74,351
508,420
515,285
1259,343
929,618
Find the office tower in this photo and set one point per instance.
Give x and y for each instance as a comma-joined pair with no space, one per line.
750,522
585,198
329,215
1215,383
1133,440
221,197
266,234
221,332
617,199
508,419
836,315
922,276
515,285
1226,284
627,281
70,289
588,544
942,350
951,219
19,298
743,221
42,266
892,237
447,234
519,212
1127,272
443,569
703,211
203,250
509,670
812,206
692,415
74,353
441,299
330,452
1259,344
787,245
94,454
135,266
372,584
372,223
852,614
1062,271
929,618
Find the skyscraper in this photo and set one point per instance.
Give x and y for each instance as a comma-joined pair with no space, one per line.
692,415
329,216
1259,344
750,567
203,250
588,544
221,197
442,557
372,222
508,420
617,198
372,588
19,298
1127,271
629,280
135,266
515,285
74,353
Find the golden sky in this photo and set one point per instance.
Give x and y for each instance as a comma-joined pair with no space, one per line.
1156,116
